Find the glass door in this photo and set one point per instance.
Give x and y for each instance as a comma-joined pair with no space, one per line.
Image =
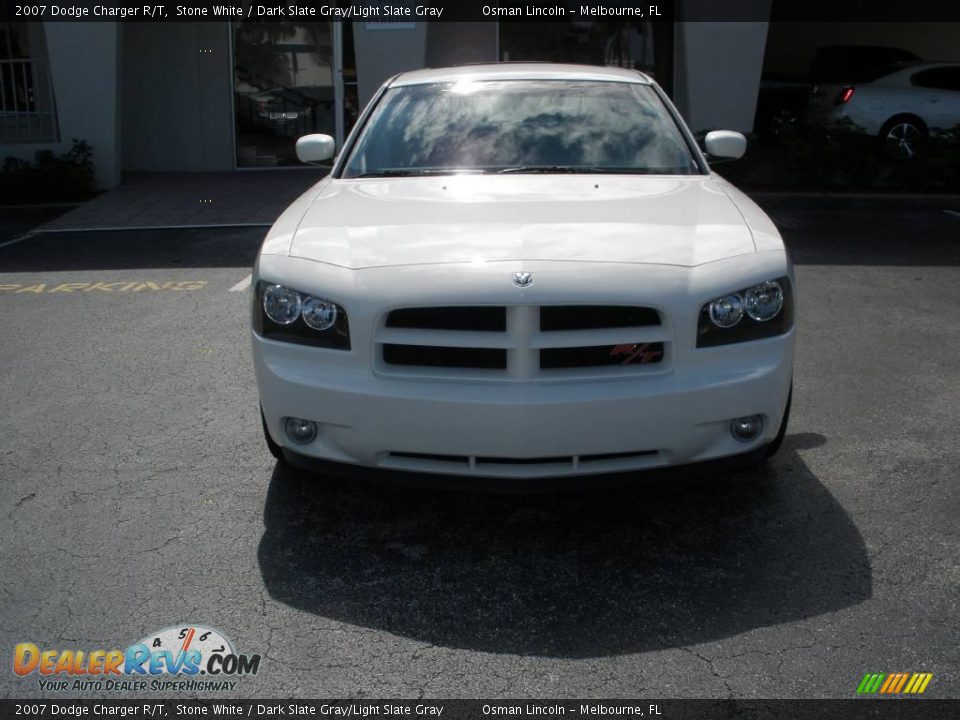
284,87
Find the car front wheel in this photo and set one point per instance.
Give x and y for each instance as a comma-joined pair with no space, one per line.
904,135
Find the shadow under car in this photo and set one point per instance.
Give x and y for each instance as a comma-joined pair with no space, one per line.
656,565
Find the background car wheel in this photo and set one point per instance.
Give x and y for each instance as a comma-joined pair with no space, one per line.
904,134
781,433
274,449
783,123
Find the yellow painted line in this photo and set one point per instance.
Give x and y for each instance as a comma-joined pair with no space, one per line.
134,286
914,681
927,677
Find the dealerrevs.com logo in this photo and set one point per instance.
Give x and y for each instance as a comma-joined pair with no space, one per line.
181,658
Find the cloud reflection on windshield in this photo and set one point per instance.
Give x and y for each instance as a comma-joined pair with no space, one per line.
522,123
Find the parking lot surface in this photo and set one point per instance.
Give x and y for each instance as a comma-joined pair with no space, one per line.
137,494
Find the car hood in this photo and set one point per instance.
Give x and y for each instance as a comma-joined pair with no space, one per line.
486,218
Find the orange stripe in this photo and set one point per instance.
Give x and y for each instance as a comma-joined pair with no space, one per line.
888,681
189,639
903,679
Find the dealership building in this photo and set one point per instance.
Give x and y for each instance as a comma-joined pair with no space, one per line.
233,95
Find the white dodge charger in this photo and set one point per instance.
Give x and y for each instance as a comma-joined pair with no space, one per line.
522,270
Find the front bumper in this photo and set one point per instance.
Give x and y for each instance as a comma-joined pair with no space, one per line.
507,485
525,430
525,427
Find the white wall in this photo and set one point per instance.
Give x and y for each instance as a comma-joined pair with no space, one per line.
717,73
381,54
84,61
458,43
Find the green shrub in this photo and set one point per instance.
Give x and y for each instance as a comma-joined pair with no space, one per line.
49,178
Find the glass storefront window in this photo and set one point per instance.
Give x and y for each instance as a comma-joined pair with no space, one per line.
283,88
27,110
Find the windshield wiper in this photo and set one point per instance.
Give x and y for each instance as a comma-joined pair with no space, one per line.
543,169
415,172
571,170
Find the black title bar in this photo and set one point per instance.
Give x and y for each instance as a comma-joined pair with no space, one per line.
406,11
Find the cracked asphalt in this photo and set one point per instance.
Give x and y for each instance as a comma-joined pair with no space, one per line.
137,494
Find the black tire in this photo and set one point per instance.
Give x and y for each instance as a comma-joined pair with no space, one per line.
274,449
904,133
783,123
774,446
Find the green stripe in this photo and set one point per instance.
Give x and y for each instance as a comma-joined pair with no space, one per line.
862,688
875,686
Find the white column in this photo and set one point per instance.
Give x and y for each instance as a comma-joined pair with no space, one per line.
85,72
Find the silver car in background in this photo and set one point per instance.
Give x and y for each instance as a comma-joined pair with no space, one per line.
901,103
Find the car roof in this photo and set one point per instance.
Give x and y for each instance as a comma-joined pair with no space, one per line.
935,64
902,71
520,71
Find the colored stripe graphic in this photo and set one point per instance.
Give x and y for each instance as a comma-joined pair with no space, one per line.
918,683
903,680
894,683
870,683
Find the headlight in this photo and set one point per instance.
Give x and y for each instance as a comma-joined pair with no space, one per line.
281,313
726,311
756,312
282,305
319,314
763,302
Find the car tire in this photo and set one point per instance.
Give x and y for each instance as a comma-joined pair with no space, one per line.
904,133
272,446
774,446
783,123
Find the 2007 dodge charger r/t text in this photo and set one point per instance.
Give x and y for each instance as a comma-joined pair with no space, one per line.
522,270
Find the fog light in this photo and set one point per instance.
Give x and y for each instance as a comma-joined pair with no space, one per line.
300,431
747,428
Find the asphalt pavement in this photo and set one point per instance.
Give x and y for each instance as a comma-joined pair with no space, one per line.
137,494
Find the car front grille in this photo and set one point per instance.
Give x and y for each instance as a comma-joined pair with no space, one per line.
523,342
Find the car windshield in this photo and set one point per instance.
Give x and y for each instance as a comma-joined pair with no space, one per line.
520,126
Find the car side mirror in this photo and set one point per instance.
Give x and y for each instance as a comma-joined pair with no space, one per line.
725,145
315,148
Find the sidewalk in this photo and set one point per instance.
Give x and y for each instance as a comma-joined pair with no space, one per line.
256,198
165,200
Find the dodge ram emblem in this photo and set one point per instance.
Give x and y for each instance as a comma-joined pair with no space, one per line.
523,279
